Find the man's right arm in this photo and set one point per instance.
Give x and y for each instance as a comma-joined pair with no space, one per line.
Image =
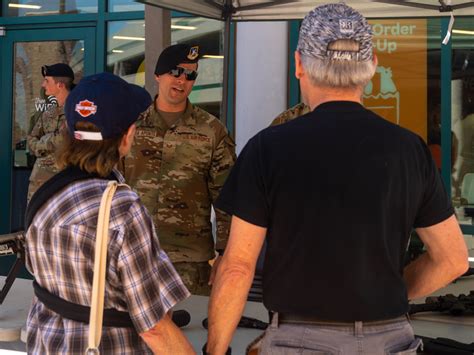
166,338
446,258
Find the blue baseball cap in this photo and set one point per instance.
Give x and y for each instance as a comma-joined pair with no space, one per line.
107,101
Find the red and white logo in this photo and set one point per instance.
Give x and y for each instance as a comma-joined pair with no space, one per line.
86,108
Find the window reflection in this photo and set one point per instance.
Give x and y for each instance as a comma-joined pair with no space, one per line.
126,50
125,5
463,119
126,55
28,100
17,8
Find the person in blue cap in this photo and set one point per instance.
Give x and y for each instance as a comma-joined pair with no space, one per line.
61,220
335,194
178,164
45,136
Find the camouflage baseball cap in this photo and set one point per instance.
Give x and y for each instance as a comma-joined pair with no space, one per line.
331,22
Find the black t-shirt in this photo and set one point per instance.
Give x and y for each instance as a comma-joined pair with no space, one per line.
339,190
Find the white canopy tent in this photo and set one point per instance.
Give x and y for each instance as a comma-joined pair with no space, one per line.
264,10
267,10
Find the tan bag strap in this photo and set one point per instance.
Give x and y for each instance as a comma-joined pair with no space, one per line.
100,264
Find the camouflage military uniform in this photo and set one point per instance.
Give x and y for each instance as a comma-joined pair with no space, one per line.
293,112
43,141
178,172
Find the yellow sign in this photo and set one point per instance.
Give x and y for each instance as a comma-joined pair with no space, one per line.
398,91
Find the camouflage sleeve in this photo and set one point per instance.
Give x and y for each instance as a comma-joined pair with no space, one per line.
222,161
33,139
54,139
40,142
281,118
293,112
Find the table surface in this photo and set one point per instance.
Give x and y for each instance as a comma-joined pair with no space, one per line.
15,307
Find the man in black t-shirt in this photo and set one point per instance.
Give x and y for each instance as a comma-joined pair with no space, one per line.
335,193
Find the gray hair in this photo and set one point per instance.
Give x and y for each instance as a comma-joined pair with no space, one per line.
339,73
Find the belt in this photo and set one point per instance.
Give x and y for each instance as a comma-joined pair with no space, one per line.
80,313
300,319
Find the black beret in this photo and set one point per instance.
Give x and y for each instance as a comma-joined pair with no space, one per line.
59,69
174,55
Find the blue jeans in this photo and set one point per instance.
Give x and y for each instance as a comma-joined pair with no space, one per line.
395,337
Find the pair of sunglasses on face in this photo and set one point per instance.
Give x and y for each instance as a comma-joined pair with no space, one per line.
188,73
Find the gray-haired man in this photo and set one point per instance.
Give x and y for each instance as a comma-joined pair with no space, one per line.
336,193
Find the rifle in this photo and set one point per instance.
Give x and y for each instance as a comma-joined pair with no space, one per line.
441,346
245,322
12,244
456,305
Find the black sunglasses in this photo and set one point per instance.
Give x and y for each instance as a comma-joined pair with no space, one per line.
188,73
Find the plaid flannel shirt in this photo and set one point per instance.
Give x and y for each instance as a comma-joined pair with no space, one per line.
140,278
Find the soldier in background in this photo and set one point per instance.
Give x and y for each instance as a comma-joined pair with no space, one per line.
179,161
45,137
293,112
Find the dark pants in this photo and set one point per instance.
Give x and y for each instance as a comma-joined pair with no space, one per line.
377,338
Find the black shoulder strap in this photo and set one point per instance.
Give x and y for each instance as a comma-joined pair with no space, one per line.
55,184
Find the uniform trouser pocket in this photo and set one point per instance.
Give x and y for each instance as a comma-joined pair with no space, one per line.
405,349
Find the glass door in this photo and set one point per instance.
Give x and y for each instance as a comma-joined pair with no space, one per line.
23,101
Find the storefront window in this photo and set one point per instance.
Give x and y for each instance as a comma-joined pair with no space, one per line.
126,55
462,116
126,50
399,90
125,5
29,100
18,8
208,35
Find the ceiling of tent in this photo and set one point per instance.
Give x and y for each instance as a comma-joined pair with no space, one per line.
252,10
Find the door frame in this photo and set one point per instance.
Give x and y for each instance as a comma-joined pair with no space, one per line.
87,34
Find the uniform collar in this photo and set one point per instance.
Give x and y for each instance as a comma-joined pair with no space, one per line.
187,120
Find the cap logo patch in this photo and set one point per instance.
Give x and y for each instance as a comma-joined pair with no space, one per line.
346,26
86,108
193,53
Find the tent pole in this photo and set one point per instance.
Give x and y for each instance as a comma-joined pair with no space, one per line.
225,76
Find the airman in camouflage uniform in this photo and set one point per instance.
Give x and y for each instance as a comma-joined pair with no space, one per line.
293,112
179,161
45,137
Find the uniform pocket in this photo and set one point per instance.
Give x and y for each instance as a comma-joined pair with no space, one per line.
405,349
